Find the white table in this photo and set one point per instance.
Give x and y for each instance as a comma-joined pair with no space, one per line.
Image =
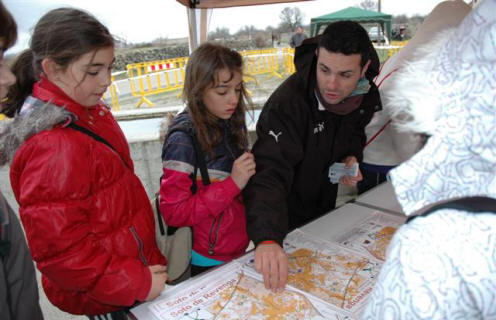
325,227
382,198
339,220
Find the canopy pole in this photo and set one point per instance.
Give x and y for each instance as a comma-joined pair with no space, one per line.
198,27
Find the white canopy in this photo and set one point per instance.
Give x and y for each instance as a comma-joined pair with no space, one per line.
205,4
200,11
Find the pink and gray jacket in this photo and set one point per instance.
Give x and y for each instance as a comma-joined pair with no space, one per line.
215,212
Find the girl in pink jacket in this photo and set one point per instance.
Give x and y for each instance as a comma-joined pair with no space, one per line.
215,120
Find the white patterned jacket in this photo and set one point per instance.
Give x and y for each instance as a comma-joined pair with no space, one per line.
443,266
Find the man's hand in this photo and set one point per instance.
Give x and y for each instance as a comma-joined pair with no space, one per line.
350,180
272,262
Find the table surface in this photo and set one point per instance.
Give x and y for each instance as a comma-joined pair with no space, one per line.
380,198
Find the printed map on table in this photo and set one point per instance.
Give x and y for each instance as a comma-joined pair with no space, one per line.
230,293
336,275
372,235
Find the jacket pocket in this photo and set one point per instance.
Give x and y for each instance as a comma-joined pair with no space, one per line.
213,233
139,243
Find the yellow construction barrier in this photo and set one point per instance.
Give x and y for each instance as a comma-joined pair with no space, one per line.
114,95
257,62
153,77
397,47
288,60
385,52
2,117
399,43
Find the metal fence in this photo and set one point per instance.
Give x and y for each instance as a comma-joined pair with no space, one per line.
147,79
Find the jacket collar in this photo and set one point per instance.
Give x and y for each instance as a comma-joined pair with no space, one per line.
47,91
14,132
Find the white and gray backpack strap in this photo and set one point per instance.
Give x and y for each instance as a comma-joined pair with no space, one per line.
469,204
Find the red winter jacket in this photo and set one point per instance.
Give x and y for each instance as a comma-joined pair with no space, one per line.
216,212
88,220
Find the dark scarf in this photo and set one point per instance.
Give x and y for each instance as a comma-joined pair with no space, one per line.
349,104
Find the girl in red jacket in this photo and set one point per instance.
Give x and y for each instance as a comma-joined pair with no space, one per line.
87,217
215,96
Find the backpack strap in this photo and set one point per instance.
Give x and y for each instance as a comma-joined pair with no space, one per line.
159,215
90,133
199,157
94,136
199,164
471,204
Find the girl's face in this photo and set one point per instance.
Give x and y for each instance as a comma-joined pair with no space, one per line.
6,77
222,98
86,79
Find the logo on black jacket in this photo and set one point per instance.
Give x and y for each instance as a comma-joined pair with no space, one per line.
276,136
318,128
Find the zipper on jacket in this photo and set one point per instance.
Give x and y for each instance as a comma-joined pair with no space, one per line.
140,245
227,126
211,243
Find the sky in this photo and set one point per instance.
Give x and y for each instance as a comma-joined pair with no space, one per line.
146,20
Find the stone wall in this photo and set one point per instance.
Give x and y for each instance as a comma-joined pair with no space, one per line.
127,56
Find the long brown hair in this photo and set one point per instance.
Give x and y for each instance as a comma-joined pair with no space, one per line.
201,73
63,35
8,27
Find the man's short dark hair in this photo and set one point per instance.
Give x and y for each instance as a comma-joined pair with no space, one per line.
346,37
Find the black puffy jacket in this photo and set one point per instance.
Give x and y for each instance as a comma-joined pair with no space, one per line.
296,145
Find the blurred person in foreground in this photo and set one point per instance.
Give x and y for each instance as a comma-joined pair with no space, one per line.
19,298
441,265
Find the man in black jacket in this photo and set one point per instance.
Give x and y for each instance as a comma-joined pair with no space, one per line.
314,119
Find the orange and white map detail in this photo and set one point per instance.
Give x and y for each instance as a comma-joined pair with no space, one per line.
234,292
250,298
338,277
332,273
373,235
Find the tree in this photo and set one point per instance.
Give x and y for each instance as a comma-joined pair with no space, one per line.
290,18
400,19
248,31
219,33
368,5
260,40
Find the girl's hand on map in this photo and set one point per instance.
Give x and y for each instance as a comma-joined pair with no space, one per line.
272,262
159,277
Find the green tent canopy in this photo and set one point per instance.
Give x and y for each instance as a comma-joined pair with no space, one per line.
354,14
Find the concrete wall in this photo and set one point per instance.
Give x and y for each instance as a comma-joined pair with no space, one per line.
147,160
146,155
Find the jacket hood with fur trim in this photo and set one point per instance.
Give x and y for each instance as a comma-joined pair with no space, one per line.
448,91
15,131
